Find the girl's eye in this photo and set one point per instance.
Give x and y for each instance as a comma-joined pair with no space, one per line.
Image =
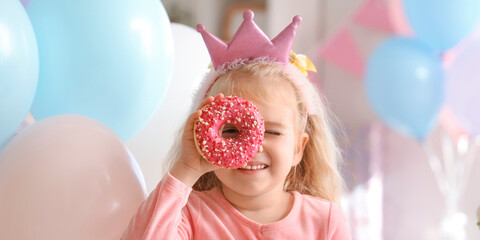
229,131
272,132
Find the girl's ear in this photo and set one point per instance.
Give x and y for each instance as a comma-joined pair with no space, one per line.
299,148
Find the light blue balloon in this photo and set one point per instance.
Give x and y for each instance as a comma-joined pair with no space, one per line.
442,23
405,85
110,60
18,67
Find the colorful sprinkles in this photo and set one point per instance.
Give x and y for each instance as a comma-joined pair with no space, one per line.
229,152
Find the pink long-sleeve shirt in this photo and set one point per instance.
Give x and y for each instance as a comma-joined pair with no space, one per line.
174,211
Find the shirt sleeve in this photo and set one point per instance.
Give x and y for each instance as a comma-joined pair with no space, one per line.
338,228
160,216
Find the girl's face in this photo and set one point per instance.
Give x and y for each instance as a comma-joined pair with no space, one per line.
282,149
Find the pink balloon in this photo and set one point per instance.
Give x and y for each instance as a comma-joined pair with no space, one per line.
67,177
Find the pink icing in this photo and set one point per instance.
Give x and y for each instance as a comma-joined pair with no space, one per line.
231,152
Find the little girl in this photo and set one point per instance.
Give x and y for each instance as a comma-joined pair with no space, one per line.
295,196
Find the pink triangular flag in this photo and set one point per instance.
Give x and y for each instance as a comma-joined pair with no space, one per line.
398,18
342,51
374,14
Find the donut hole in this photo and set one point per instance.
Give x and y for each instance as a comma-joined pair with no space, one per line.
228,130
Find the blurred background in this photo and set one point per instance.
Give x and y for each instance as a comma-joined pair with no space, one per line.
411,168
93,93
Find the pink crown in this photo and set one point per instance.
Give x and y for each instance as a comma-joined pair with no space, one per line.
249,42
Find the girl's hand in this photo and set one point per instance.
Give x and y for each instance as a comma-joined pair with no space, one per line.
190,166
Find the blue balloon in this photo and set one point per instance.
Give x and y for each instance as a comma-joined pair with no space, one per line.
405,85
109,60
442,23
18,67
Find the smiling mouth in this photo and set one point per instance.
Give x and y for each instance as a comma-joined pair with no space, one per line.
255,167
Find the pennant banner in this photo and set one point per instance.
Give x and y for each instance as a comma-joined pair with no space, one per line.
374,14
342,51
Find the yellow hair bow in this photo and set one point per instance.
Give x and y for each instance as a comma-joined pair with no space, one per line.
302,62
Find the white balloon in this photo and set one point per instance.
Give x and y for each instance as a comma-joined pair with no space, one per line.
151,145
67,177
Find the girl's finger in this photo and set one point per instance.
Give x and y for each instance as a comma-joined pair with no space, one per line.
220,95
206,101
210,99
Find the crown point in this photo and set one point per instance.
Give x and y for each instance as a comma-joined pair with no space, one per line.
200,28
297,20
248,15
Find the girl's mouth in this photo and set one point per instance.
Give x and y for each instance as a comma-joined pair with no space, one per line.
255,167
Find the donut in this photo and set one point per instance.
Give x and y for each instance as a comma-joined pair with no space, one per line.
229,152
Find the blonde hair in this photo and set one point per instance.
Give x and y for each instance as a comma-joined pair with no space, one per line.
317,174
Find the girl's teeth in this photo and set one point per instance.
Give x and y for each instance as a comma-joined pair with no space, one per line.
255,167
